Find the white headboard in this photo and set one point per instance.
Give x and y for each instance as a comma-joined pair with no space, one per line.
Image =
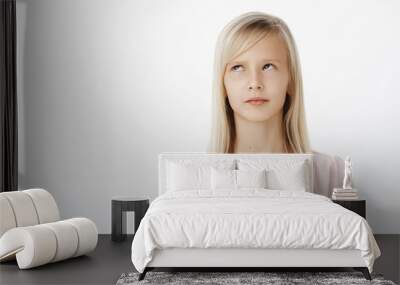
170,156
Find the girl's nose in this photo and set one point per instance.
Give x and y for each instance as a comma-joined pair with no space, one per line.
255,83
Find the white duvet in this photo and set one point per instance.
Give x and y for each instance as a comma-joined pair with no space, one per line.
250,218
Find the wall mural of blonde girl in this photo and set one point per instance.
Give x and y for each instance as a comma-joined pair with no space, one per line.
258,100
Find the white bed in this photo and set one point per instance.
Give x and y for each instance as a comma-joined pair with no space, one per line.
249,227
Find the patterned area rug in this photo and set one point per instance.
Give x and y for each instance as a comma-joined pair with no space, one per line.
275,278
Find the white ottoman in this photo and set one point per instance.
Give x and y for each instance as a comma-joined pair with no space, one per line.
32,233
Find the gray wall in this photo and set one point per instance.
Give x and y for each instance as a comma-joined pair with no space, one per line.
104,86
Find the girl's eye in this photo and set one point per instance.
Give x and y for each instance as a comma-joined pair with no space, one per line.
234,67
268,64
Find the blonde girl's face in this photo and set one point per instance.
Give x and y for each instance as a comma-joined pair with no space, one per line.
261,71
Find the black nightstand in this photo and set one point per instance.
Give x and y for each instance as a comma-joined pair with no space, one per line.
119,207
357,206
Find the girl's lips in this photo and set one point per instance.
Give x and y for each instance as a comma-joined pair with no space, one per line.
257,102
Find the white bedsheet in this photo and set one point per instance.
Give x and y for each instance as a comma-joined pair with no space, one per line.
250,218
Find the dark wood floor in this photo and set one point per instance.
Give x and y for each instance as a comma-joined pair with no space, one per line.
102,266
111,259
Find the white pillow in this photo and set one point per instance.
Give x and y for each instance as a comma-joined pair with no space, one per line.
237,179
282,174
183,177
251,178
223,178
187,174
287,179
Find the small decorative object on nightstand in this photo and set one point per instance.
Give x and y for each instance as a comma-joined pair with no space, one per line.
357,206
120,205
347,192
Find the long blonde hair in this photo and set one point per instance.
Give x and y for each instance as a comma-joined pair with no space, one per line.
237,36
